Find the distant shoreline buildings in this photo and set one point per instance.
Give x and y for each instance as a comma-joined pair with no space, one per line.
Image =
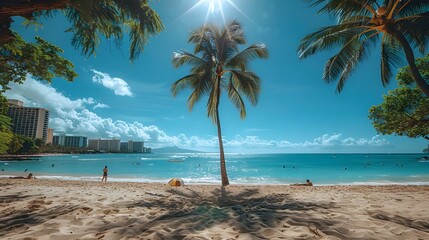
33,122
115,145
70,141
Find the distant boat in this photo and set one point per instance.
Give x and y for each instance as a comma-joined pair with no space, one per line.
176,158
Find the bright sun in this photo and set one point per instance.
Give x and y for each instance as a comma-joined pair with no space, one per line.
213,4
214,7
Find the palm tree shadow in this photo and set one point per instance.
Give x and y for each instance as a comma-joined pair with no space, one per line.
33,214
243,212
419,225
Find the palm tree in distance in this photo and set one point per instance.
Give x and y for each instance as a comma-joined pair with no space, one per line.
402,25
218,65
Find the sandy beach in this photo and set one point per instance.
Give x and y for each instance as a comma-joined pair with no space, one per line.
50,209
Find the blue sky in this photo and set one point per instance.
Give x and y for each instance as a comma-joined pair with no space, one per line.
297,111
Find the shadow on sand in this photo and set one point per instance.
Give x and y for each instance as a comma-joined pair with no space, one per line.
242,213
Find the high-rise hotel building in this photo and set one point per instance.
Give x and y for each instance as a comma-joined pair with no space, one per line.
28,121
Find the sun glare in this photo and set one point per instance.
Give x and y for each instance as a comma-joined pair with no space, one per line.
214,7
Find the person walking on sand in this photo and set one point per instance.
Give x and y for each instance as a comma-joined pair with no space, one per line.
105,171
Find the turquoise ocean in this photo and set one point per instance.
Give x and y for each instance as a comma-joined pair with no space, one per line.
203,168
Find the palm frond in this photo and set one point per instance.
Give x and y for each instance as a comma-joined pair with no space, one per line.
349,54
85,36
236,99
248,84
411,8
200,88
93,19
360,49
203,39
183,57
202,84
235,31
347,70
345,8
184,82
390,57
258,50
416,30
328,37
224,45
138,40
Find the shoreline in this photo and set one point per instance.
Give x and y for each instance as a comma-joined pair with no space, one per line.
56,209
21,157
193,182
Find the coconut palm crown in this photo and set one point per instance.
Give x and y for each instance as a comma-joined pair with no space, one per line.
218,65
401,25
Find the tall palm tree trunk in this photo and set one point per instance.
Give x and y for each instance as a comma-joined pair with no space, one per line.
223,173
409,55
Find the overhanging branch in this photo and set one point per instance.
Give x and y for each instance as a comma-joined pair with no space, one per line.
23,8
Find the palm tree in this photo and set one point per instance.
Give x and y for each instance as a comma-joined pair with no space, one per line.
218,65
402,25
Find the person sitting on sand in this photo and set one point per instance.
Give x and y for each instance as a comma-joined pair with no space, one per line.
30,176
308,183
105,171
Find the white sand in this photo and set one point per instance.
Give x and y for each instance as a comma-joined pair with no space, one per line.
48,209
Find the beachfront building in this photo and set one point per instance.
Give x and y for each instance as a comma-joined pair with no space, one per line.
124,147
133,146
50,136
70,141
104,145
28,121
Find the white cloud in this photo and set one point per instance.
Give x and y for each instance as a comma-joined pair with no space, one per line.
100,105
119,86
74,117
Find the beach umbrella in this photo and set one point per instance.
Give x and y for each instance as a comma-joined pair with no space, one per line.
176,182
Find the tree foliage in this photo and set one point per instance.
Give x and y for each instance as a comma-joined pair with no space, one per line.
6,134
405,110
22,145
40,59
401,26
218,65
90,19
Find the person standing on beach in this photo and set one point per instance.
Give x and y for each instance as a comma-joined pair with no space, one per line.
105,171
